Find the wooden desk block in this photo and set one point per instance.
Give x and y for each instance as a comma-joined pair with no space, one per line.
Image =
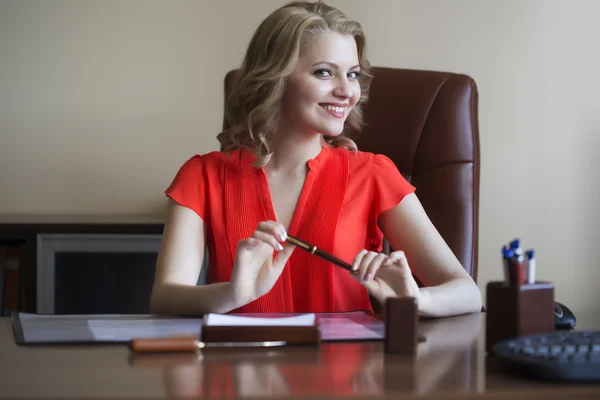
401,325
515,311
306,335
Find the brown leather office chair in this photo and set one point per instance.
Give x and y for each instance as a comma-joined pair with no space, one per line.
427,123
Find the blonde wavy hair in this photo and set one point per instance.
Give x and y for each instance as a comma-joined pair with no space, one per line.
252,105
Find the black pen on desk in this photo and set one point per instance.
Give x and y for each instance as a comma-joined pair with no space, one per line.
320,253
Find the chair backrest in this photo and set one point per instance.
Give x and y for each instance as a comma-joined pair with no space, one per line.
426,122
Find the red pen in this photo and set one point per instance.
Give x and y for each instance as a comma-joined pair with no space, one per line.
517,263
518,269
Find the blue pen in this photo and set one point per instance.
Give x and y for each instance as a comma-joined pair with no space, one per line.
508,255
515,246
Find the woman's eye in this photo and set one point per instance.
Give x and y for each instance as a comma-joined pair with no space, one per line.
327,73
323,72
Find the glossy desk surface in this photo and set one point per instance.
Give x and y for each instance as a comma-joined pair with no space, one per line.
450,364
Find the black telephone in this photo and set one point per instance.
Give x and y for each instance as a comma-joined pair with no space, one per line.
563,317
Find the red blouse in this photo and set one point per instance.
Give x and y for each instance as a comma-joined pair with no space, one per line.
343,194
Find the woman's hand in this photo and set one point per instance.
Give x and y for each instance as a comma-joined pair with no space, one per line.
255,271
386,276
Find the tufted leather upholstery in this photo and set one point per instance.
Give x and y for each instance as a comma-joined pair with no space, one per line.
427,123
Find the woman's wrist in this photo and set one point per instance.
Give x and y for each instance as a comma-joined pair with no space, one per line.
455,297
424,303
235,298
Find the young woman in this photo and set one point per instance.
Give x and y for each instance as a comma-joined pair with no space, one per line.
289,165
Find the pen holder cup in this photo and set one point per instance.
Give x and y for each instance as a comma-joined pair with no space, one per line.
513,311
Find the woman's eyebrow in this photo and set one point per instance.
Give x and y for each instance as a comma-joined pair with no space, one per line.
332,64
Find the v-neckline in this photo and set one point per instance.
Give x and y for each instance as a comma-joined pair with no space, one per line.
267,199
315,219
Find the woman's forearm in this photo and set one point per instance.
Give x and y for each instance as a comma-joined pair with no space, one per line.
458,296
170,298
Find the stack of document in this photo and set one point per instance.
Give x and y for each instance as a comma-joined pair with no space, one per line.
237,320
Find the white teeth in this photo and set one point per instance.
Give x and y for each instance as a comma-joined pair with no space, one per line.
333,108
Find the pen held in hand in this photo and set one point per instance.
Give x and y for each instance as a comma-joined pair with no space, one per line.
171,345
320,253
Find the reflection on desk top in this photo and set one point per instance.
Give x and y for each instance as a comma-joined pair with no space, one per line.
451,362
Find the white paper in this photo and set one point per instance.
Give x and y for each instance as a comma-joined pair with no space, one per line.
346,329
235,320
120,330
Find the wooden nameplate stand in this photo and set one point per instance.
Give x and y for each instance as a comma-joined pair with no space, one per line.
401,325
292,335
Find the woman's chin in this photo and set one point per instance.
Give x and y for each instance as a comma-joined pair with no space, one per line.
331,132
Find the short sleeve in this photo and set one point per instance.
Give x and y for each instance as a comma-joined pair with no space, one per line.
390,187
189,187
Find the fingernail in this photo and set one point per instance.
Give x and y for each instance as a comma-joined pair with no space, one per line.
279,246
281,237
369,277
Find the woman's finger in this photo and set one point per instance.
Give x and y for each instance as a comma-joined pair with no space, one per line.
397,255
283,256
358,259
274,228
372,268
399,258
247,244
396,264
364,265
246,248
268,239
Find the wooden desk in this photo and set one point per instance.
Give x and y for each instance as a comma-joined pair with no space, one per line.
450,364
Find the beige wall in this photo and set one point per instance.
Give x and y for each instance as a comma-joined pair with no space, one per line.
102,101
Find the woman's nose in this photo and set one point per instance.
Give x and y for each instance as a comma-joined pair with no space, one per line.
343,89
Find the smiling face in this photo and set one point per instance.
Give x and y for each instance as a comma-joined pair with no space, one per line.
324,86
